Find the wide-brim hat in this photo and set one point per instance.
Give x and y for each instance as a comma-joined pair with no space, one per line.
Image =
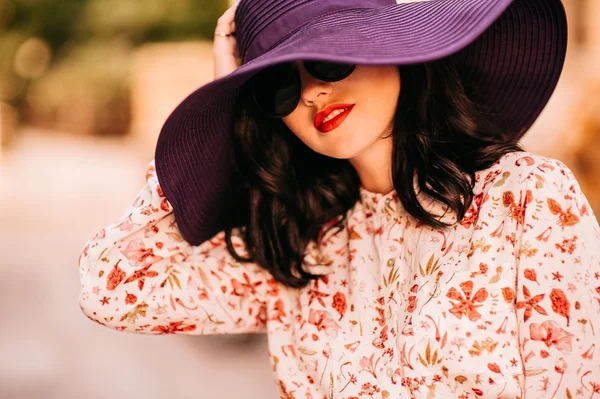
510,54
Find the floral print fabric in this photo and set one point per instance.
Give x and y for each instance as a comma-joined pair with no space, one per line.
505,304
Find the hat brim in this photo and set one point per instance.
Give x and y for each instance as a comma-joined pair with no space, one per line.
510,53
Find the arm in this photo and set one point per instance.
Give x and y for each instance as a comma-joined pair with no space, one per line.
139,275
558,299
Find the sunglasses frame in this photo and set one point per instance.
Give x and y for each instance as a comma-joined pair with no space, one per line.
311,71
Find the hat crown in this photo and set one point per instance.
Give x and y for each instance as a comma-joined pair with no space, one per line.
261,24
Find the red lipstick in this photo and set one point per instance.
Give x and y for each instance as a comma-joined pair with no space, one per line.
333,123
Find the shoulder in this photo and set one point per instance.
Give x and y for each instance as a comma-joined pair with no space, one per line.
533,190
522,171
537,192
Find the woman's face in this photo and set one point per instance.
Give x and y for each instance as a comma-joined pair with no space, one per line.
371,91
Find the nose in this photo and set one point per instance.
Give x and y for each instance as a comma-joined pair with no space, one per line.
313,90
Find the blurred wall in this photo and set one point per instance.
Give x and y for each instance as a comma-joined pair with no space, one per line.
161,76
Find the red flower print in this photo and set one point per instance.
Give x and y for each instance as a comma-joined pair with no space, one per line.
164,205
130,299
174,327
273,287
151,231
550,333
531,275
339,303
557,276
352,380
565,218
560,303
494,368
531,303
517,211
369,389
140,276
568,245
561,366
138,255
439,321
483,268
379,342
244,288
366,364
115,277
151,172
160,191
148,210
412,303
324,322
527,159
508,294
472,213
126,225
278,312
467,304
318,295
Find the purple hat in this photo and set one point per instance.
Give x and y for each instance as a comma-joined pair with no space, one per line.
511,54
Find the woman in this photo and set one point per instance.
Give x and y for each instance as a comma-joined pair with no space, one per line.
378,221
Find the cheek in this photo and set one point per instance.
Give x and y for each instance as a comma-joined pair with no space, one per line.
292,122
299,128
298,125
378,109
383,97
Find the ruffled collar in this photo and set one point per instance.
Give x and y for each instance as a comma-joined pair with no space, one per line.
380,203
389,205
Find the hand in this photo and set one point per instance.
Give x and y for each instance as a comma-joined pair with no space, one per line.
225,50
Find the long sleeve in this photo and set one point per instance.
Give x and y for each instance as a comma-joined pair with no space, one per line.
139,275
558,285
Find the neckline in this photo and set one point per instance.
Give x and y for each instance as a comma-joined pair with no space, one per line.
378,202
389,204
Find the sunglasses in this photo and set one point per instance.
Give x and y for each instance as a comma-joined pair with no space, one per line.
276,90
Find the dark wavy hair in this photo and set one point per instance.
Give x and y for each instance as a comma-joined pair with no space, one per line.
440,137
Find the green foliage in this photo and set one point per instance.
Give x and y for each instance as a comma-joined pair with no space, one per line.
50,20
68,25
86,92
150,20
139,20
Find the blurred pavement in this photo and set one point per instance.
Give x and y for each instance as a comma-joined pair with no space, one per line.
56,192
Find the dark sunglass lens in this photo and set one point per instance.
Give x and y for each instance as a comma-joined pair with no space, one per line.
276,90
329,71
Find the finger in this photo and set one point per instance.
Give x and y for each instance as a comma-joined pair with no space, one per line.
224,28
230,12
227,17
224,25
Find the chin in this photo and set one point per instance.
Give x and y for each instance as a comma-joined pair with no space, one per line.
348,149
341,153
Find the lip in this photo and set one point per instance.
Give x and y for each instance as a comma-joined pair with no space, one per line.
320,117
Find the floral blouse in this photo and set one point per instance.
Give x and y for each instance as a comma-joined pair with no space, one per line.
505,304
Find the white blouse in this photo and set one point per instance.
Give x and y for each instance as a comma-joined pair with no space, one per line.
505,304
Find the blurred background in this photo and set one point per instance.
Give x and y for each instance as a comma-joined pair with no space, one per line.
85,86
